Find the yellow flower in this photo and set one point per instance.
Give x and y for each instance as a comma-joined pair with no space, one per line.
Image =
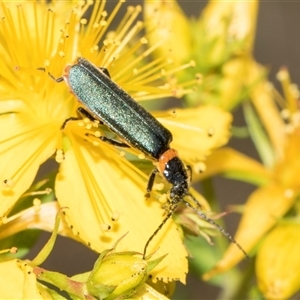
102,189
18,278
219,41
279,182
114,273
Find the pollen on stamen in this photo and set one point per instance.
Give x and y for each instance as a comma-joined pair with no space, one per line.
4,220
192,64
122,154
37,205
13,250
177,93
163,198
97,134
8,183
285,114
173,113
199,78
282,74
61,53
96,123
105,227
141,156
199,167
96,25
103,23
95,48
158,186
60,156
88,126
115,215
46,63
163,72
144,41
210,131
8,250
96,143
48,191
83,21
289,193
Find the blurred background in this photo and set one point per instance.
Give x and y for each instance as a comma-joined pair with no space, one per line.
277,44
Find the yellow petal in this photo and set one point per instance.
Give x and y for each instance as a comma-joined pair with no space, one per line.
234,164
262,99
30,219
165,21
232,82
287,170
198,131
97,184
278,262
24,145
146,292
262,210
19,282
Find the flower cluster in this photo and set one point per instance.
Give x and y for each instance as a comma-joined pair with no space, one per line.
96,191
102,187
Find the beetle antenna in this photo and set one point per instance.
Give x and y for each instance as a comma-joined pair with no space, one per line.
212,222
169,215
58,79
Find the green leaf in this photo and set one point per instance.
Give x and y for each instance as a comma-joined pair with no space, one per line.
44,253
259,136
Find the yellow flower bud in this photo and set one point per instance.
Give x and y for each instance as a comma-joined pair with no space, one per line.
278,262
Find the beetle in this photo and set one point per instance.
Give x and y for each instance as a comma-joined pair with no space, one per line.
103,100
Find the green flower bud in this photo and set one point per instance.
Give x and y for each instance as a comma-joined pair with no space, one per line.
122,274
119,274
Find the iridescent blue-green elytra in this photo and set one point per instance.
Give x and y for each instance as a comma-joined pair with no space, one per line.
109,103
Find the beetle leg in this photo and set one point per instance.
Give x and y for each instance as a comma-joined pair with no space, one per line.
151,182
58,79
81,114
190,172
113,142
62,127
